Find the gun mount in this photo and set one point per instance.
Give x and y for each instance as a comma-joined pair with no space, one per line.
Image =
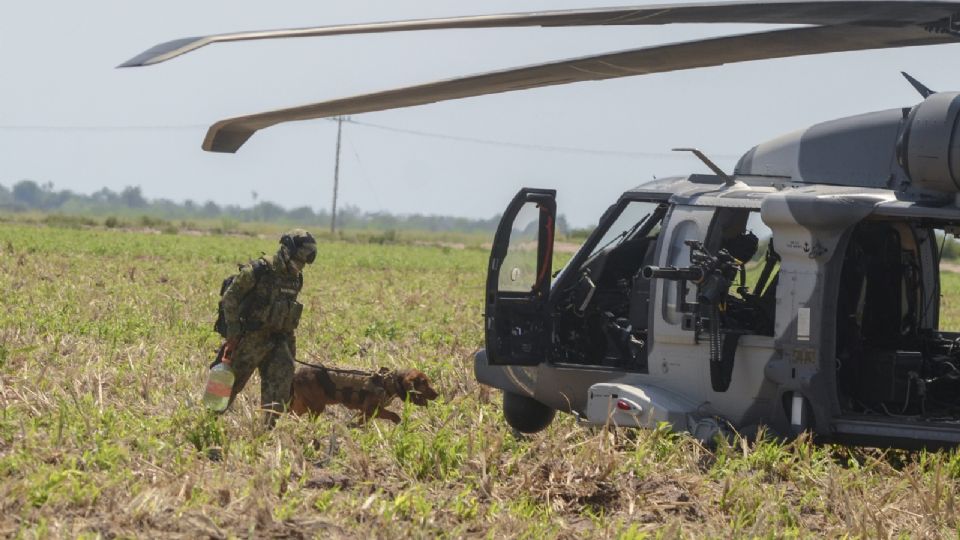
713,274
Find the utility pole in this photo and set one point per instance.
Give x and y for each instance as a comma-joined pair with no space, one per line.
336,178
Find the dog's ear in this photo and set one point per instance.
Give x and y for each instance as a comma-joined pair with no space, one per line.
408,379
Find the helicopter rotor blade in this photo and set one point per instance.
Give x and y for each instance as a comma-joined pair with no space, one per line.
812,12
230,134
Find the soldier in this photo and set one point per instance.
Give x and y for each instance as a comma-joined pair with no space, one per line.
261,312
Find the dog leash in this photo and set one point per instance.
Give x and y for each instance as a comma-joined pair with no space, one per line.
337,370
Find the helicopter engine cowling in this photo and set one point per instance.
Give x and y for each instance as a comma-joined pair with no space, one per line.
929,146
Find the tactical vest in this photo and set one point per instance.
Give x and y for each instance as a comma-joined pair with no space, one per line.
272,304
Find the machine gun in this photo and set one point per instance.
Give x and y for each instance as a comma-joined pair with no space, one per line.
713,274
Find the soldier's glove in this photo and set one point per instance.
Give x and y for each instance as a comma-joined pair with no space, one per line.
231,345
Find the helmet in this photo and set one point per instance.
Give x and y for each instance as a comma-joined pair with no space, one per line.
743,246
299,245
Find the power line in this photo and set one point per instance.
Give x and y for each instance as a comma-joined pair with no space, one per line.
363,172
527,146
405,131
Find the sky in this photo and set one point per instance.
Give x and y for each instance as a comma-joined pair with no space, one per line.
67,116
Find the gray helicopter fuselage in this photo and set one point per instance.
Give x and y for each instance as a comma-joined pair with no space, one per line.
813,189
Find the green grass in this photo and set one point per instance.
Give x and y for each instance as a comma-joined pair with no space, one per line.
950,301
105,336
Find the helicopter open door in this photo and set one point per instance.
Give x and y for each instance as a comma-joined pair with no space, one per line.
517,327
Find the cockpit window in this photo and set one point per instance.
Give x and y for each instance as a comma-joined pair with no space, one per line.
518,272
627,225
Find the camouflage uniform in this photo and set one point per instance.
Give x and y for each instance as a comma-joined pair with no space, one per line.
261,311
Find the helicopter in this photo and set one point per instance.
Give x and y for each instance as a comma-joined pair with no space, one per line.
675,310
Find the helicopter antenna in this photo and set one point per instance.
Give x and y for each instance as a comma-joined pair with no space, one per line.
924,91
727,179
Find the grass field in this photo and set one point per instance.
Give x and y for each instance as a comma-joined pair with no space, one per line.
105,337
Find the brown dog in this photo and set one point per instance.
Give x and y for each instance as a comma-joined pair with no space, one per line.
369,392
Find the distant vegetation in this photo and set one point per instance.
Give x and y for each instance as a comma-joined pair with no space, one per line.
130,207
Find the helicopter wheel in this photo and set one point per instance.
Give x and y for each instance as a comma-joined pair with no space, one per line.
526,415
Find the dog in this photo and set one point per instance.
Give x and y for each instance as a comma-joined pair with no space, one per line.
315,387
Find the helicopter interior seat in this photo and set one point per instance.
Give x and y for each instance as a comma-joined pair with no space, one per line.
765,292
624,261
877,317
767,302
616,287
625,335
876,274
746,313
595,318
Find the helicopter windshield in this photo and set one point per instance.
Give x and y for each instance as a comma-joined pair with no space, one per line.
632,219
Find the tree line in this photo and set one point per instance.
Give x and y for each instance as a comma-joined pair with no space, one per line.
28,195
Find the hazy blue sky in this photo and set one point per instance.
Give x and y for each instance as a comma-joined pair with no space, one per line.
58,58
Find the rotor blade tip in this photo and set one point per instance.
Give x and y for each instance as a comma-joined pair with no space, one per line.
225,138
165,51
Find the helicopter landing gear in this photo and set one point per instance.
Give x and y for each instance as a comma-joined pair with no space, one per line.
525,414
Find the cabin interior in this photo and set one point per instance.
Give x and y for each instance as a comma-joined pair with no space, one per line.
897,345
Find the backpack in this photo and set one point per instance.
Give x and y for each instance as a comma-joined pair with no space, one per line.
259,267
